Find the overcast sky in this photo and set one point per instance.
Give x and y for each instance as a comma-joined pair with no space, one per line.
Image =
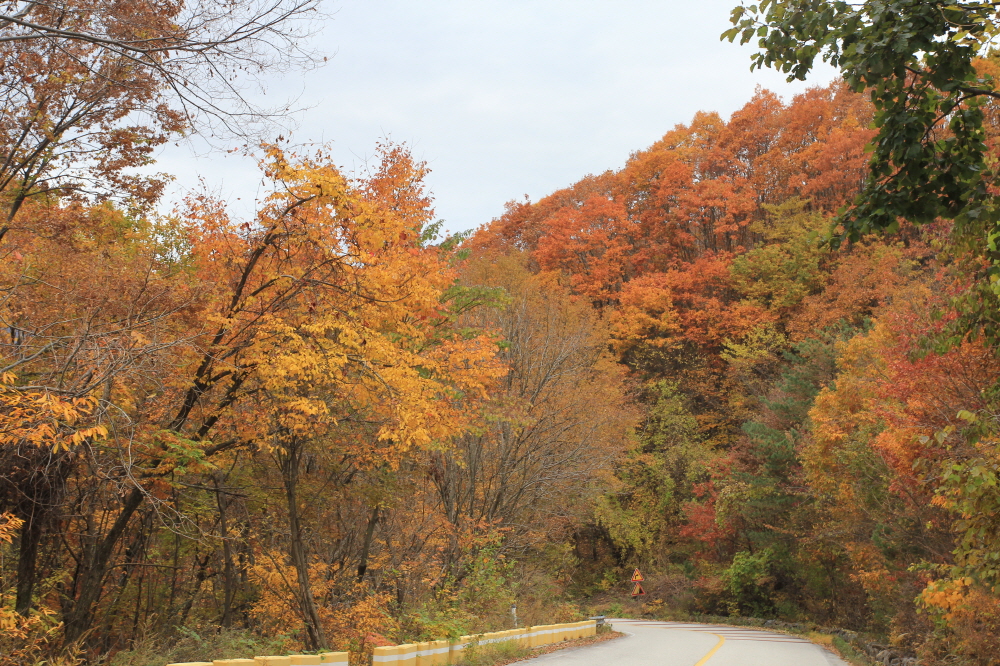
502,98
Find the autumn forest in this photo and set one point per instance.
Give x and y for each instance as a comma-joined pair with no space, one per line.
330,425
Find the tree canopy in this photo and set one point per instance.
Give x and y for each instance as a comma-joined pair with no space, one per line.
324,426
916,62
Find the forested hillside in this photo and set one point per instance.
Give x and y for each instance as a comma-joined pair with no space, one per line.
737,362
804,450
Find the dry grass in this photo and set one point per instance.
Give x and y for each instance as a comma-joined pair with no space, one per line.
500,659
194,646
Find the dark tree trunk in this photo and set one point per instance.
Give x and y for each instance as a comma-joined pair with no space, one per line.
32,484
310,614
229,580
27,556
91,580
367,545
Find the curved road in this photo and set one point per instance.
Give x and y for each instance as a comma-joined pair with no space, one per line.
650,643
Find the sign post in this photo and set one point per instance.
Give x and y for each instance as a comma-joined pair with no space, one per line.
637,588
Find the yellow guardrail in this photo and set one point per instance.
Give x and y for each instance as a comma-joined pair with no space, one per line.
428,653
443,653
332,658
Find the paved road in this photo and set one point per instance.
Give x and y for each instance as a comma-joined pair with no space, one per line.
688,644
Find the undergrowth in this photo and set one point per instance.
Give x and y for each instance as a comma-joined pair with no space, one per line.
849,652
490,654
191,645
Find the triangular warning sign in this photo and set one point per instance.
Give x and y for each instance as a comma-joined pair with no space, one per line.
637,590
637,576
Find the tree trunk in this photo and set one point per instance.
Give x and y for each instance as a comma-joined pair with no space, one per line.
367,546
229,582
310,614
81,614
37,479
27,555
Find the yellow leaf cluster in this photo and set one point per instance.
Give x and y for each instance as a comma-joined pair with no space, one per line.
43,419
364,341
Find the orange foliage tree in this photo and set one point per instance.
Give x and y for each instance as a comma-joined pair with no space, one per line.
324,311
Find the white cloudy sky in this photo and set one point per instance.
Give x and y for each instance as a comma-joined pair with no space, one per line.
502,97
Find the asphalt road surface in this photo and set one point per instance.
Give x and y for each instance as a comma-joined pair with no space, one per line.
689,644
